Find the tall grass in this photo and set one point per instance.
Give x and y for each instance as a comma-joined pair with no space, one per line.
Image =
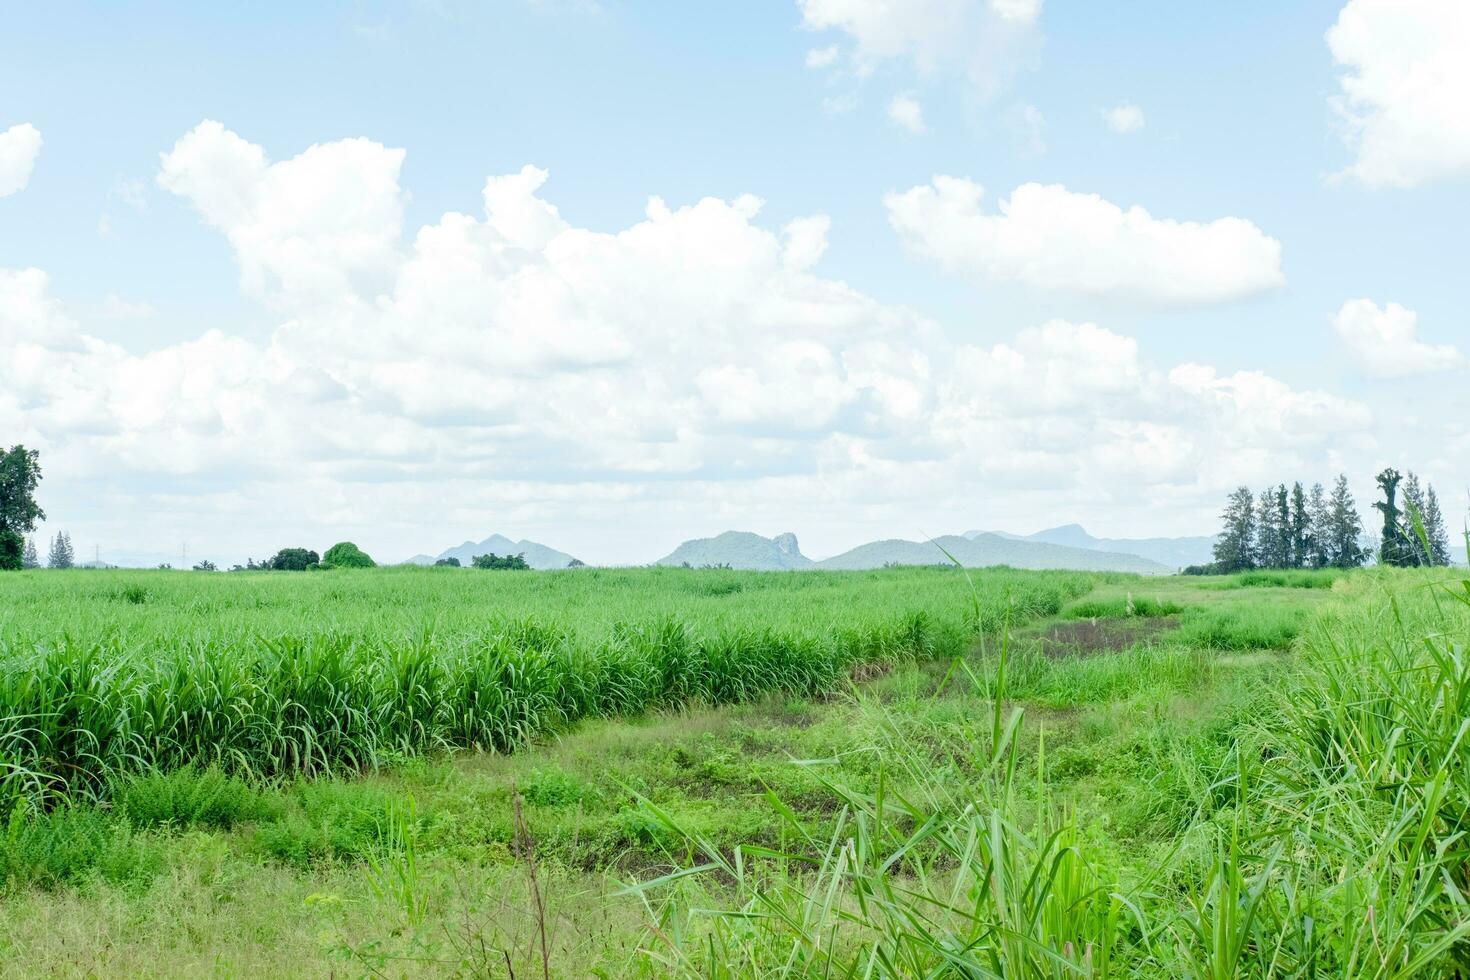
271,674
1329,839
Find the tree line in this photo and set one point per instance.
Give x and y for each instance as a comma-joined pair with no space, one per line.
1296,528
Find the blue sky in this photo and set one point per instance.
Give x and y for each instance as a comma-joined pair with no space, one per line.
621,102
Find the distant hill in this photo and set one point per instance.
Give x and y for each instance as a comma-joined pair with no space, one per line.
538,556
740,549
991,549
1175,553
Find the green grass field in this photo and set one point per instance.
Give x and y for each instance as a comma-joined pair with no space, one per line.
912,772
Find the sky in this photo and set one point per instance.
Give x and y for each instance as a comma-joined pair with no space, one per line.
609,275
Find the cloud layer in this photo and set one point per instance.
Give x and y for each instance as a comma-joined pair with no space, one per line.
1048,237
1403,89
694,361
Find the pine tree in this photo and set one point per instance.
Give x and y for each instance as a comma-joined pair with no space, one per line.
61,555
1268,531
1413,522
1434,527
1235,548
1300,527
1319,514
1344,528
29,559
1283,527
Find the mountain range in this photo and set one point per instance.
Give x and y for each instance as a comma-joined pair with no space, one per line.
742,549
1173,552
538,556
1066,547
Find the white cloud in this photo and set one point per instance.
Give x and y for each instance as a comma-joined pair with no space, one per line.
822,57
985,42
1385,341
1051,238
905,112
1404,85
117,308
1125,118
511,366
19,147
321,227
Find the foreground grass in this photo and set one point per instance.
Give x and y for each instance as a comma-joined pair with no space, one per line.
1271,781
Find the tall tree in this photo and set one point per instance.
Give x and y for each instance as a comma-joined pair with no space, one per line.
61,555
1434,527
1235,549
1300,527
1319,513
1269,530
20,472
1393,549
1413,521
1344,528
28,558
1283,527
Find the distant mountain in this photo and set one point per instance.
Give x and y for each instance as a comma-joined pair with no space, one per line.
1173,552
740,549
538,556
991,549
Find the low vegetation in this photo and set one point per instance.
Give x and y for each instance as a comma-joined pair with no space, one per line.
998,775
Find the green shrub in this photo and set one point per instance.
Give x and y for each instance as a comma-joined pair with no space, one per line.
69,846
329,820
345,554
190,797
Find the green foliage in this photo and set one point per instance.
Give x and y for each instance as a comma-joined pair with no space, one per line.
1284,578
292,560
70,846
1119,607
190,797
1235,550
12,551
20,473
513,563
347,555
450,562
246,675
1240,626
330,820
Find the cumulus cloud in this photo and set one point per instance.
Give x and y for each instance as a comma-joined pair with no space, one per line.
19,147
322,227
1385,343
984,41
1051,238
1403,89
1124,118
510,363
905,112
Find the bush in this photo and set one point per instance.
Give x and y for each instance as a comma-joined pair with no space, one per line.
191,797
72,845
345,554
450,562
293,560
514,563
